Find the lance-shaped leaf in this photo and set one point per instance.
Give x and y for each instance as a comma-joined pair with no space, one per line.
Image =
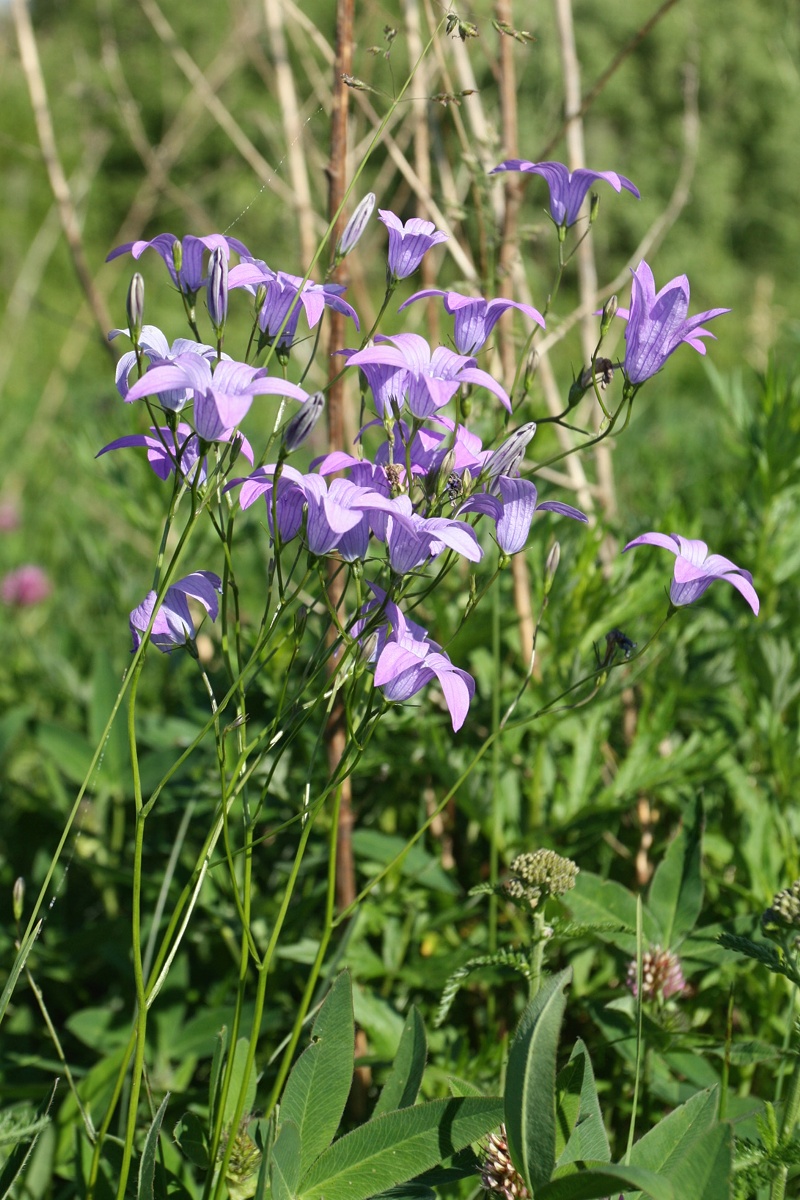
147,1163
284,1172
401,1087
601,1179
676,893
530,1110
398,1146
690,1148
580,1133
317,1089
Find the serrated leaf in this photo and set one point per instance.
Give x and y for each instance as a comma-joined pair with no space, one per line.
317,1089
579,1121
402,1084
600,1179
530,1083
676,892
190,1135
398,1146
147,1163
284,1172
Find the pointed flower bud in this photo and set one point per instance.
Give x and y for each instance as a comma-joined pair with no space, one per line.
355,226
135,307
18,897
594,207
609,312
301,424
551,566
217,290
508,456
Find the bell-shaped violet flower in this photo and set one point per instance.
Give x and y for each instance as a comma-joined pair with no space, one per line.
475,318
408,243
696,569
519,505
286,299
657,323
413,539
222,397
387,383
157,351
191,276
167,449
567,189
433,376
173,625
406,660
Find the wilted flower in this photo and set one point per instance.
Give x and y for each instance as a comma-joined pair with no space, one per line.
408,243
657,324
540,874
173,625
696,569
499,1176
25,586
662,976
567,189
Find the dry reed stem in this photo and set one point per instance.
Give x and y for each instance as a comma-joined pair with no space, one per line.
34,79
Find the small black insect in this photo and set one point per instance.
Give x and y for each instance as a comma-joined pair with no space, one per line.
615,640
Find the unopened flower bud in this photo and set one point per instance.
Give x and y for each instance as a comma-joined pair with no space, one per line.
609,312
508,456
445,471
177,256
302,423
355,226
367,648
135,307
261,295
594,208
217,290
531,367
18,897
551,566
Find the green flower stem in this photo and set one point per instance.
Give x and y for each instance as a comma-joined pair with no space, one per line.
791,1113
263,973
497,816
537,954
136,942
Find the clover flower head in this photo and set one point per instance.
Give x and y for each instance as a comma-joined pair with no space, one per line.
696,569
173,625
25,586
408,243
658,323
662,975
499,1176
567,188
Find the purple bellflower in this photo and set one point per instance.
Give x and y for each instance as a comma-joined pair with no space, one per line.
433,377
191,276
408,243
222,398
388,384
696,569
475,318
567,189
173,625
657,323
158,352
167,449
406,660
284,296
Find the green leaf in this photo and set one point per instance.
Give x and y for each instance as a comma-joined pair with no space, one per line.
530,1083
600,1179
398,1146
676,893
579,1120
607,905
402,1085
17,1160
707,1166
663,1146
19,963
70,752
147,1163
285,1165
237,1081
220,1046
190,1135
317,1089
